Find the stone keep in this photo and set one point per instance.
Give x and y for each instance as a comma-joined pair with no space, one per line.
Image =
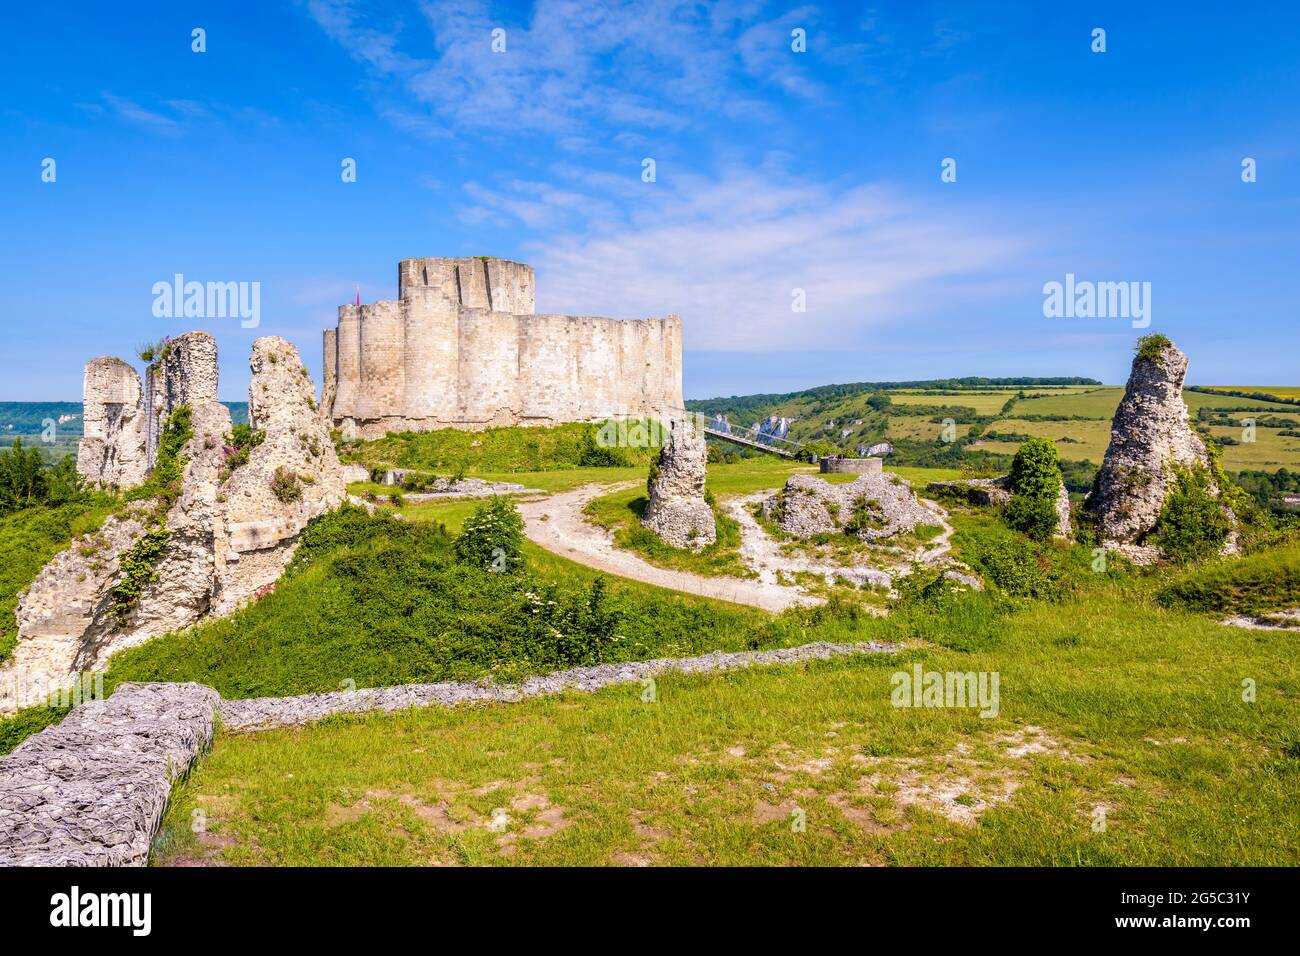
463,347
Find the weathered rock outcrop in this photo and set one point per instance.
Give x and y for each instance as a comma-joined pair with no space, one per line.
677,511
216,535
874,507
292,476
1063,527
975,491
112,448
91,790
1150,439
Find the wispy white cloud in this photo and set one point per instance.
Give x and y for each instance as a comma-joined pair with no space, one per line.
137,115
727,252
569,64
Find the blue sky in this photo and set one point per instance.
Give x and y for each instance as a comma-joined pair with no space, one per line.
774,170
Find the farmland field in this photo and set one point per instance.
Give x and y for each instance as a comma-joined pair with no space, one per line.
1281,391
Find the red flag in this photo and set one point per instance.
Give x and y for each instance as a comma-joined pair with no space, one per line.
358,297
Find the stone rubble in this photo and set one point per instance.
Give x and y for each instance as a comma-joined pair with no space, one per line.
677,510
444,487
263,713
808,505
983,492
91,790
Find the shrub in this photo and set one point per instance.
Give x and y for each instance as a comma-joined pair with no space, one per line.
1151,347
932,608
1015,566
1192,524
1035,483
139,570
165,480
285,485
867,515
243,439
493,537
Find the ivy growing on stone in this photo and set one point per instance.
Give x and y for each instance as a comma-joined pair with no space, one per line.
137,567
1193,524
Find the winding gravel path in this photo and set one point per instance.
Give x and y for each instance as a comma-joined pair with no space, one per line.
558,524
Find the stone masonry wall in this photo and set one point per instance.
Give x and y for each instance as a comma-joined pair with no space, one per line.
462,347
229,528
112,448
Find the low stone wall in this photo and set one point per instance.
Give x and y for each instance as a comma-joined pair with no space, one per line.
852,466
264,713
91,790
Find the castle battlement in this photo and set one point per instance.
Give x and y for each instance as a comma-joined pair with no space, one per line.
462,347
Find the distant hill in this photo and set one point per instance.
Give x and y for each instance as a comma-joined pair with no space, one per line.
27,420
741,403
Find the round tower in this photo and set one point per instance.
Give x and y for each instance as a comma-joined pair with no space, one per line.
382,368
473,282
348,362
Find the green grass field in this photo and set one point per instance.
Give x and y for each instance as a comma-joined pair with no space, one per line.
1131,727
1281,391
985,403
1122,739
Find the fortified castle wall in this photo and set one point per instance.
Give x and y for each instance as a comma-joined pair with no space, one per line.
463,347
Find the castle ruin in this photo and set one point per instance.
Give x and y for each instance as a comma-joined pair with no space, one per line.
463,347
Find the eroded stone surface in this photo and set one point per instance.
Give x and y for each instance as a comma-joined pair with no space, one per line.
1150,438
112,447
677,511
879,506
229,532
261,526
91,791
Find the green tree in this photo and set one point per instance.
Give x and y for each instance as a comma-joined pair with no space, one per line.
1035,483
22,478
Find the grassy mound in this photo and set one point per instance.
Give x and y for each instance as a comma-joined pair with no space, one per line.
375,601
30,720
1264,581
500,450
621,513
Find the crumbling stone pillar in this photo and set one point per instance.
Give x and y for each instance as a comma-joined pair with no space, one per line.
677,511
112,448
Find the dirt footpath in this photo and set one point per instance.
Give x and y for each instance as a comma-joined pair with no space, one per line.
557,524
